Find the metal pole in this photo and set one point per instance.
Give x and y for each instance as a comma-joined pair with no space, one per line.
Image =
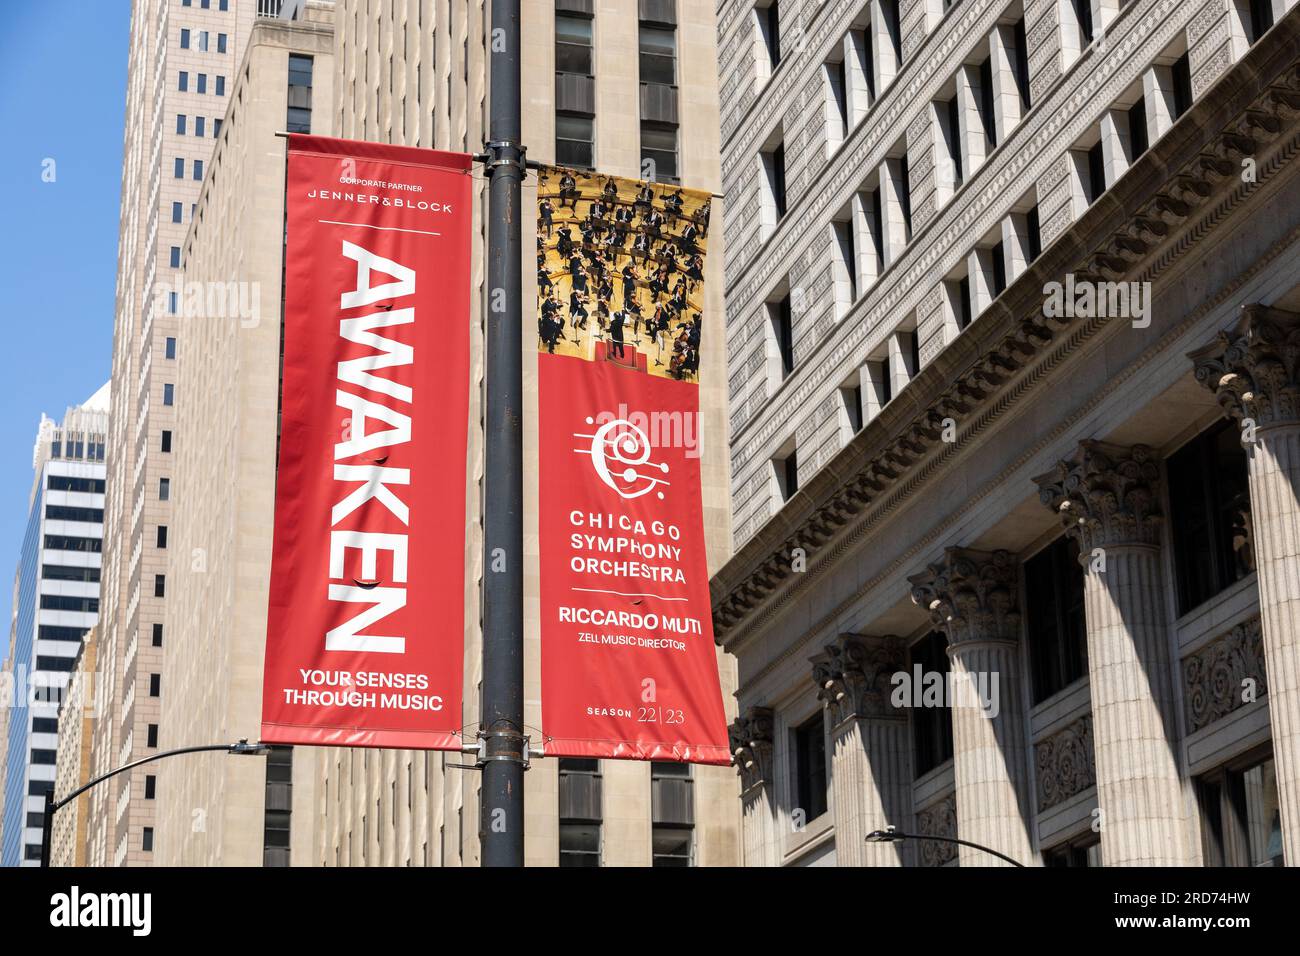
501,819
47,826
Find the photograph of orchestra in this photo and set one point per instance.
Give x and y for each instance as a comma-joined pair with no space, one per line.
620,271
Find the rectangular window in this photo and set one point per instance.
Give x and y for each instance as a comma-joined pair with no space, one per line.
185,39
151,736
1210,515
201,84
1055,625
1021,49
71,483
774,168
146,839
580,812
221,86
169,394
1261,18
782,318
73,513
221,43
157,634
573,45
1085,851
64,572
174,257
216,128
162,536
931,726
180,124
198,170
60,542
810,767
657,48
1182,76
672,814
61,602
198,125
659,147
150,786
183,84
169,347
1095,183
786,468
160,585
1137,129
164,489
769,24
575,141
178,168
1241,822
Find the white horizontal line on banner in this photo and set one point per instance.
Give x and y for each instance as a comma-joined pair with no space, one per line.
366,225
629,594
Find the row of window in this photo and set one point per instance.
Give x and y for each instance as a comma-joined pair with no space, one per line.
74,483
200,83
200,126
178,172
672,813
201,40
73,513
222,5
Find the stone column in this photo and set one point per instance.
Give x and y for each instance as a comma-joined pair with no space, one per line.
871,765
1252,369
972,596
751,750
1109,500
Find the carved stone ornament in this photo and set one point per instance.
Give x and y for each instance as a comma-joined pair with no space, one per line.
1252,367
1224,675
938,819
972,596
853,676
750,737
1106,495
1065,763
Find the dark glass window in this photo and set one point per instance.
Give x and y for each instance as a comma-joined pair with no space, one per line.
659,145
672,813
150,786
774,167
73,513
151,736
1209,504
69,483
783,328
1241,814
1085,851
55,632
146,839
1055,625
580,812
787,475
575,138
770,25
1137,129
65,572
658,54
61,602
931,726
1261,18
1182,75
155,685
573,45
810,767
157,634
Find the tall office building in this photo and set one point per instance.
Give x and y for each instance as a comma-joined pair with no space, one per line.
1013,303
56,601
183,59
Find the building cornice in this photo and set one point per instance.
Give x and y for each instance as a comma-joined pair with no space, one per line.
1253,104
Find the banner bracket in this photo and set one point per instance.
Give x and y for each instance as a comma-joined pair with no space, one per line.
514,748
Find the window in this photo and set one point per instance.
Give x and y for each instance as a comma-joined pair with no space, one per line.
845,265
300,79
1182,77
931,726
183,82
575,141
786,467
774,178
169,347
44,757
1055,626
1137,129
185,39
169,394
221,43
62,602
70,483
151,736
198,125
1034,233
672,814
1261,18
64,572
150,786
146,839
45,725
73,513
59,542
782,321
810,767
1021,50
180,124
769,31
160,585
198,170
658,54
201,85
221,86
164,489
162,536
174,258
173,302
177,212
1241,821
155,685
947,114
580,812
157,634
659,147
1084,851
1209,504
216,128
573,45
166,442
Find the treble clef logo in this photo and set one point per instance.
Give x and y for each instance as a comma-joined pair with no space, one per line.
620,454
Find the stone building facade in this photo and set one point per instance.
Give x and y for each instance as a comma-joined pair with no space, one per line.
1015,568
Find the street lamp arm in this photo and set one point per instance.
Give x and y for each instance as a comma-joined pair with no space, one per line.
891,835
51,805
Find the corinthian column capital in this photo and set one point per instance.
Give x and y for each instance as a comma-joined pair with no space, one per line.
750,737
853,674
1106,495
1252,367
972,596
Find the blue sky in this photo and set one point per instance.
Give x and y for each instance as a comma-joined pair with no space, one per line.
62,96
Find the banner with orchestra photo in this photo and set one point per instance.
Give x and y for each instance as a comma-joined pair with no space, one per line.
629,668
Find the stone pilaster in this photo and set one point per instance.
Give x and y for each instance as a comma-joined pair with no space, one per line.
871,763
972,596
751,749
1108,498
1252,369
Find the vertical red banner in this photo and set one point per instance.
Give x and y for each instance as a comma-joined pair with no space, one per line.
629,665
365,629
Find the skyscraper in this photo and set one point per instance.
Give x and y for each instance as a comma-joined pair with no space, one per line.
56,601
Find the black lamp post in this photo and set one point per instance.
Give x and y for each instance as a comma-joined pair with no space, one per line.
892,835
51,805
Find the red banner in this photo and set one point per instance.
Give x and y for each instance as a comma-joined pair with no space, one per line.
365,629
629,666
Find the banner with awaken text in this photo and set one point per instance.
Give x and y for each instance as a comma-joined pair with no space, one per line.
629,667
365,627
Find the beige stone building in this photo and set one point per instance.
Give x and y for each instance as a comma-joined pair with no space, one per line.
79,710
181,70
1013,303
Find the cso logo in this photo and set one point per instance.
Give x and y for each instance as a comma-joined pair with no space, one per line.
620,453
75,909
